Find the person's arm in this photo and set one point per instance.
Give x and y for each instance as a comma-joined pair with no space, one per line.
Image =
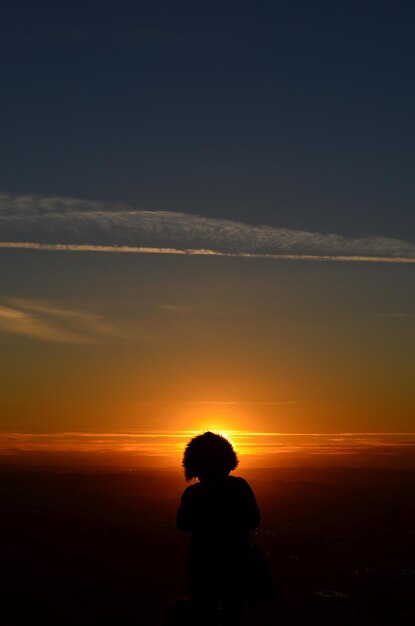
252,514
184,514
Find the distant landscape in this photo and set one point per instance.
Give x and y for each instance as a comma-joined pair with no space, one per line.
85,546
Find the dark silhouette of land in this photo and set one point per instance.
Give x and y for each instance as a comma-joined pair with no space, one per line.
87,547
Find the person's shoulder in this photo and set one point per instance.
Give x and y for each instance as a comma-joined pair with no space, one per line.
191,490
239,483
238,480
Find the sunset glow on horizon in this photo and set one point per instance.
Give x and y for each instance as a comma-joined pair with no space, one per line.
164,449
143,356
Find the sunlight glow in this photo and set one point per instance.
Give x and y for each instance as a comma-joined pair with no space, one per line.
223,428
255,449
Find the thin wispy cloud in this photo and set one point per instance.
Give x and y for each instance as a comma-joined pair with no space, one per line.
245,402
403,316
169,444
194,252
47,321
52,223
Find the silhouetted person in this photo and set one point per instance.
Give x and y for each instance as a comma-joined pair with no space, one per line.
218,512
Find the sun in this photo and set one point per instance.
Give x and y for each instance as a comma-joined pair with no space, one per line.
219,429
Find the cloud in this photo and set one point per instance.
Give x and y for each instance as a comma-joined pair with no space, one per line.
51,322
245,402
378,449
194,252
392,315
53,223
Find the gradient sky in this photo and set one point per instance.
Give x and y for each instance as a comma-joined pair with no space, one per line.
206,220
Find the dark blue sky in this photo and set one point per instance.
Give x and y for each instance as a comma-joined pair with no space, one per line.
296,114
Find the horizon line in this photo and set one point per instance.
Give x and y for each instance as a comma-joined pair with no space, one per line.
183,432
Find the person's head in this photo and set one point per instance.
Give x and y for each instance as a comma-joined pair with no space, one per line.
209,456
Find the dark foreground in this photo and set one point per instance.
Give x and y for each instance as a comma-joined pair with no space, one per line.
101,547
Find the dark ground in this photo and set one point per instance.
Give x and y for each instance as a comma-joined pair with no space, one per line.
101,547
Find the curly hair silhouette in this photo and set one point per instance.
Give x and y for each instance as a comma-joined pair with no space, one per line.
209,454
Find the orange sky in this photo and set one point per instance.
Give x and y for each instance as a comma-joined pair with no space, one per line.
109,344
255,449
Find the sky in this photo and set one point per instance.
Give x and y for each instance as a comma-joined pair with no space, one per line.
206,221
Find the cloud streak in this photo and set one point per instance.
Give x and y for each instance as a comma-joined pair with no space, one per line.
46,321
194,252
273,448
68,224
